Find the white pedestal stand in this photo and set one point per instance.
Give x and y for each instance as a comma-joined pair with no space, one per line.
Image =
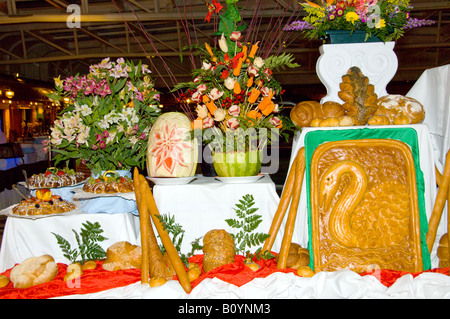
377,61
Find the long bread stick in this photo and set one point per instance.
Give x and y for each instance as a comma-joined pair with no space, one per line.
439,204
292,215
438,176
171,251
143,223
281,209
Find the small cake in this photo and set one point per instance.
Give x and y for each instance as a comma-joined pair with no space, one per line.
45,203
54,177
109,183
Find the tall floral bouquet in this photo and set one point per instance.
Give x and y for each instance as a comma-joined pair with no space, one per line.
234,89
385,19
108,118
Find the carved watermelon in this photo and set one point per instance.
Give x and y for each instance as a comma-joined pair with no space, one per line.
170,151
236,164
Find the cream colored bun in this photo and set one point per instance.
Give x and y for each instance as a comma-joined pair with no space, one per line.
346,121
253,266
33,271
4,281
157,281
122,255
379,120
393,106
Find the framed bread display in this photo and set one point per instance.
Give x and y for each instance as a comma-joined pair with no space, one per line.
365,210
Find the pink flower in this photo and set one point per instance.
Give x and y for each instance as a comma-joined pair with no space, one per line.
102,145
208,122
275,121
233,123
235,36
215,94
105,134
98,137
234,110
142,136
95,147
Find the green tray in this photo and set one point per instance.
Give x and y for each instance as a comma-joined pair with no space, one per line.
407,135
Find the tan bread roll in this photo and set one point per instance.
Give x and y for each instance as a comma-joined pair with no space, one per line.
305,271
219,250
122,255
89,265
73,271
157,281
34,271
379,120
304,113
329,122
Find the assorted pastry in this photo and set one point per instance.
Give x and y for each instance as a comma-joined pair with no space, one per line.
55,177
44,203
108,183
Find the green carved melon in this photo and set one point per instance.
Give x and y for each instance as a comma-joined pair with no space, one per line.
237,164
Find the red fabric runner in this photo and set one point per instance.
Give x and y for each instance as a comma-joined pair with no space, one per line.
98,279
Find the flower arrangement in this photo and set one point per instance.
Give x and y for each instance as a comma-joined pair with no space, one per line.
106,123
385,19
234,89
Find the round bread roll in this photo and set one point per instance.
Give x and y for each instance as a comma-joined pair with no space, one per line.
34,271
4,281
332,109
346,121
89,265
315,122
305,271
157,281
303,113
194,272
379,120
73,271
328,122
393,106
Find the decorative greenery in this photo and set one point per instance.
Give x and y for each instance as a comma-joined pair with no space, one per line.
235,87
385,19
110,112
88,247
248,222
177,232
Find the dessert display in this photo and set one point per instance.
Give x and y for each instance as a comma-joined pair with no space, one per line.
364,206
54,177
43,204
109,183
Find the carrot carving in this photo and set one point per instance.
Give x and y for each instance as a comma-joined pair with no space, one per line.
250,81
253,50
254,94
237,69
209,104
237,88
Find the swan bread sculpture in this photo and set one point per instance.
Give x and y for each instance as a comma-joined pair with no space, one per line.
364,207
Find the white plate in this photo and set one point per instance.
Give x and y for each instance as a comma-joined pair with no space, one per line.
239,180
171,180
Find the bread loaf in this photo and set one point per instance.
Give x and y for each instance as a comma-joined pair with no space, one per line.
442,251
219,250
34,271
122,255
400,109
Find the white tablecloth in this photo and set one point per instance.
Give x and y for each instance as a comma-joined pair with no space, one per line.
206,203
426,164
23,238
432,89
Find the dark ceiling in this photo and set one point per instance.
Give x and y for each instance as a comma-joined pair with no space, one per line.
37,42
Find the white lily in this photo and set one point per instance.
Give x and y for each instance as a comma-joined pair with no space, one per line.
223,43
